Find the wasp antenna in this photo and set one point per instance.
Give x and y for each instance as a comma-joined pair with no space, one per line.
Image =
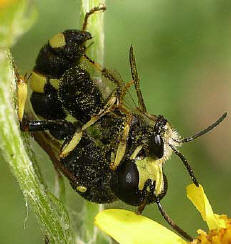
171,222
186,164
201,133
136,79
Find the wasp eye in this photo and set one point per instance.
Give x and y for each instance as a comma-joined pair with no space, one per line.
128,176
125,182
156,146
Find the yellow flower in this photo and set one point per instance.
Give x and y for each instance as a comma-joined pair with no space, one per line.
219,225
127,227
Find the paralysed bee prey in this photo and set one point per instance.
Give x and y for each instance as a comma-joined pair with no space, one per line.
109,151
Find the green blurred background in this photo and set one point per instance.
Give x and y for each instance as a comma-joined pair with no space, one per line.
183,51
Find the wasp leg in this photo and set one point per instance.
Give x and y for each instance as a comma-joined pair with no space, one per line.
22,96
141,207
186,164
78,134
88,14
122,144
60,129
21,84
21,93
171,222
105,72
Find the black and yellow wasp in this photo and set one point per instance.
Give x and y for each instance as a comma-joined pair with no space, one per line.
108,151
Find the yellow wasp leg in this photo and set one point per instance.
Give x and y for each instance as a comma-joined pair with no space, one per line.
122,144
106,109
21,95
72,144
78,134
136,152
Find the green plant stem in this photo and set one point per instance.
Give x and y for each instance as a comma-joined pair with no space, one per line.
50,212
14,145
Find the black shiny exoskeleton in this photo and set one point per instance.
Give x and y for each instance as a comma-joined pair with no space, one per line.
77,95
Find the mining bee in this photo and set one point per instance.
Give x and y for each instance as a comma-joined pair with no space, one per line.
108,151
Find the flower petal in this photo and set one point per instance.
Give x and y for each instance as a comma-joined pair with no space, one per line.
126,227
197,196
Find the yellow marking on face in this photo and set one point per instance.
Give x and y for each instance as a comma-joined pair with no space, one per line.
37,82
22,96
135,153
72,144
55,83
81,188
149,168
57,41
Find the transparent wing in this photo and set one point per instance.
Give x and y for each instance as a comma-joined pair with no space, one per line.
108,79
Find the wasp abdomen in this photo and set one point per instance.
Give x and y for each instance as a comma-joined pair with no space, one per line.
88,164
62,51
47,104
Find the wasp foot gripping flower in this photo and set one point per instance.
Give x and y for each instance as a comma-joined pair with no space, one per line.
129,228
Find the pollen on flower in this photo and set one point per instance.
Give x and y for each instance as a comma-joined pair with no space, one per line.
215,236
